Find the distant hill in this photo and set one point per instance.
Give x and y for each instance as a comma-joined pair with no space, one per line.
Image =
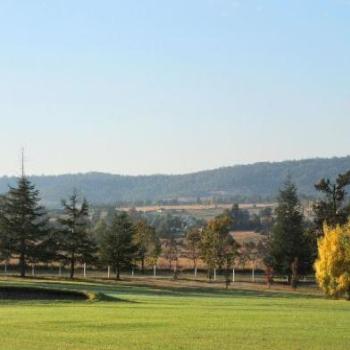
255,182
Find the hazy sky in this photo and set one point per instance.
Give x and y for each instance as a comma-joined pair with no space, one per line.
171,86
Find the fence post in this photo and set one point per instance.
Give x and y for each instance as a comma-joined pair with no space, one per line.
233,275
215,274
253,274
154,270
132,272
195,272
84,270
108,272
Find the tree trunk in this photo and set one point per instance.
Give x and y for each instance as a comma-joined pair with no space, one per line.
22,259
117,272
143,265
210,274
175,270
295,277
72,266
227,277
22,265
269,276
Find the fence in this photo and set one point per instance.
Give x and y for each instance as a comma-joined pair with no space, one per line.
85,271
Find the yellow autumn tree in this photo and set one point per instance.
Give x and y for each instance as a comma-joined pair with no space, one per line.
333,263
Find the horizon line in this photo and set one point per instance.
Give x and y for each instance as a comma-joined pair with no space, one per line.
175,174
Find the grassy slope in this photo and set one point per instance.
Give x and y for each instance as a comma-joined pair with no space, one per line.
176,318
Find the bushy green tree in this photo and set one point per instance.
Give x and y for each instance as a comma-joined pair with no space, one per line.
240,217
117,247
147,243
168,225
218,248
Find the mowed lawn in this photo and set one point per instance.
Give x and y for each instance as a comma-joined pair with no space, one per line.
175,318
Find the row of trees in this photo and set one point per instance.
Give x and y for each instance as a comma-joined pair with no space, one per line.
123,243
27,234
297,246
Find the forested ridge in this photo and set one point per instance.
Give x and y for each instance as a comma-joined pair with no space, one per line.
255,182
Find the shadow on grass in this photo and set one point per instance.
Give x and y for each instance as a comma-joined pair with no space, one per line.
134,288
29,292
207,292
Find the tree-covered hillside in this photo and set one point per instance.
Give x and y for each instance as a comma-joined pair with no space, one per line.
256,182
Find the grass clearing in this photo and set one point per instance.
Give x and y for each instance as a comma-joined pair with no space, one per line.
164,314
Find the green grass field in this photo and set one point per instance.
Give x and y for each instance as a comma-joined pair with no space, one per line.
174,315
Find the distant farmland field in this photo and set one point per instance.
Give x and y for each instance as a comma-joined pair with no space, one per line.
197,207
203,211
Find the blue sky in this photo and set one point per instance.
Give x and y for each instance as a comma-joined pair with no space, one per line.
140,87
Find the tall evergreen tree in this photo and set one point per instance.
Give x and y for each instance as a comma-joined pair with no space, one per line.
288,244
333,209
117,247
24,228
74,242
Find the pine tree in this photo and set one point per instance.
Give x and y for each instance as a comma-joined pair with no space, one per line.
74,242
117,247
334,208
23,225
288,245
